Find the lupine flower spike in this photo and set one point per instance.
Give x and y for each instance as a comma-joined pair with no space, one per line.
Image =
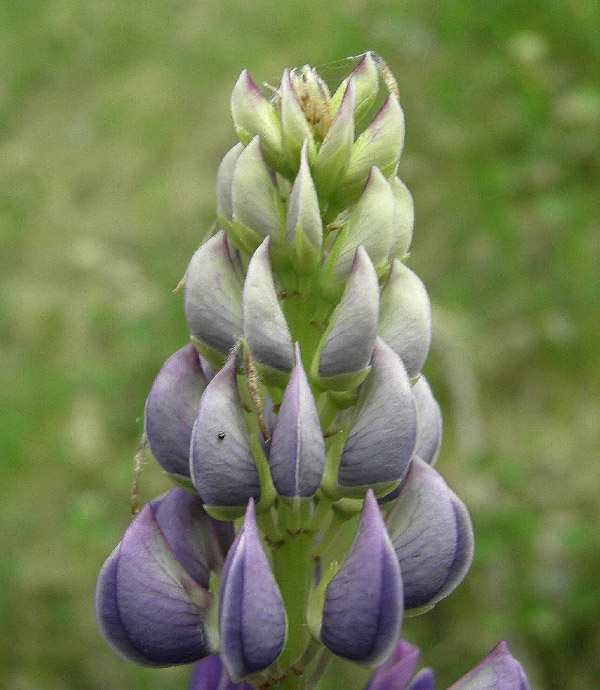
297,419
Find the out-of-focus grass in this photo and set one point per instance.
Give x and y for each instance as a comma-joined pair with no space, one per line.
113,117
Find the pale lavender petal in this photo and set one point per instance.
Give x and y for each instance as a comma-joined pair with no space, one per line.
432,534
424,680
210,674
396,670
171,409
252,622
225,181
297,455
499,670
429,419
212,295
382,438
222,466
362,613
404,219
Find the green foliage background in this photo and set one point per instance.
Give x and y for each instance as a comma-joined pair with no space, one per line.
113,118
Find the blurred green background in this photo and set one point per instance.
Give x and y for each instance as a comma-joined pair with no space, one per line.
113,118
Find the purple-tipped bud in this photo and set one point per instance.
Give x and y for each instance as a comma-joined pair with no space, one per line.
432,534
304,226
258,210
265,328
499,670
366,79
149,607
405,317
253,114
369,224
171,409
211,674
396,670
348,342
294,125
429,418
362,613
424,680
380,144
212,296
334,154
222,466
252,621
384,431
225,183
297,455
404,219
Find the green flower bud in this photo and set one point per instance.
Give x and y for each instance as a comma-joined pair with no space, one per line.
366,80
294,124
404,219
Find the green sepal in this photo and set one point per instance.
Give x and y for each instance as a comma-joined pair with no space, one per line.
340,382
181,481
314,614
225,512
214,356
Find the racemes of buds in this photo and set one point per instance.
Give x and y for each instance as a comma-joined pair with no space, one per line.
297,418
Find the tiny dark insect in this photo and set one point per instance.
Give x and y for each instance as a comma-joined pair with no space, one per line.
221,435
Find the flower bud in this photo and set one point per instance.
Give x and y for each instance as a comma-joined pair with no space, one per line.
396,670
405,317
149,607
304,226
346,346
384,429
253,114
432,534
265,328
294,125
212,299
366,80
224,184
499,670
297,455
252,621
380,144
429,418
404,219
222,467
362,612
171,409
211,674
334,154
258,210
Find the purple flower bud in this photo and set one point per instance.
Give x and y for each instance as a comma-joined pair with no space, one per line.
424,680
366,79
253,114
265,328
304,226
404,219
405,317
499,670
149,607
258,210
348,342
210,674
171,409
429,418
362,613
225,182
334,154
294,125
432,534
384,431
396,670
252,621
297,455
222,466
212,296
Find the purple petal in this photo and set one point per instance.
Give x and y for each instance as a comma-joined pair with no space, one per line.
171,409
297,455
382,438
265,328
362,613
222,466
147,602
424,680
396,670
405,317
212,295
351,336
198,541
429,418
210,674
499,670
252,622
432,534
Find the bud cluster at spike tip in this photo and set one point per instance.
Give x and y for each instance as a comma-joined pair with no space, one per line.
297,407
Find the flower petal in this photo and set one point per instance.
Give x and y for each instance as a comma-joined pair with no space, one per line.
396,670
424,680
225,182
429,417
210,674
499,670
404,219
